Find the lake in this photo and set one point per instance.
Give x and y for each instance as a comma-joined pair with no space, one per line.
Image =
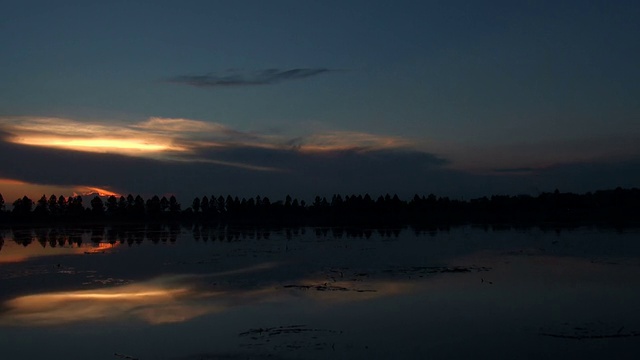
159,292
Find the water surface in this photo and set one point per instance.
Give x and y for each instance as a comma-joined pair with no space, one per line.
175,293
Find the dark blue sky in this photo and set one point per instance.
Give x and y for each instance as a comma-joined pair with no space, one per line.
460,97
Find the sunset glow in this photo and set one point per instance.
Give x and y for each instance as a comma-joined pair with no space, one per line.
145,139
12,189
182,139
90,190
124,146
169,299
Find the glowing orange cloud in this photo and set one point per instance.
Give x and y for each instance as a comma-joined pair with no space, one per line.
12,189
124,146
90,190
11,182
180,139
74,135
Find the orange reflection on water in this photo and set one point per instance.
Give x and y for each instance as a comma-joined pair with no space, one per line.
14,253
171,299
96,248
157,301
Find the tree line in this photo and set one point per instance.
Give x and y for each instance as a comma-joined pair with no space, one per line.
611,206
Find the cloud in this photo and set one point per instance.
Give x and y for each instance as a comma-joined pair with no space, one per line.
179,139
162,155
85,136
349,140
201,157
170,125
238,170
239,78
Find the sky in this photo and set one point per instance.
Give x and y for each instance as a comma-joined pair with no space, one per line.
193,98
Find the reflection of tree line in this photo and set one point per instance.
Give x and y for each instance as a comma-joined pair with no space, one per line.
75,236
619,205
162,233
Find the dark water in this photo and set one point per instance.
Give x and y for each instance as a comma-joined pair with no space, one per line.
160,293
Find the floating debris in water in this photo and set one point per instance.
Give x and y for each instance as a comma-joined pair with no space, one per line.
591,330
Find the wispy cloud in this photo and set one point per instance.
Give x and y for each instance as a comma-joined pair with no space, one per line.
114,157
172,125
244,78
180,139
349,140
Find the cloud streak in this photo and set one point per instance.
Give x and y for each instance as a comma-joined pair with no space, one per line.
178,139
206,157
161,155
240,78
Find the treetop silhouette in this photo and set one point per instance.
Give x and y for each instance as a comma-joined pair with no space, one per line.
618,205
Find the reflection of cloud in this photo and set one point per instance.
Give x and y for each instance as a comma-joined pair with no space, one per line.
238,78
14,253
139,300
168,299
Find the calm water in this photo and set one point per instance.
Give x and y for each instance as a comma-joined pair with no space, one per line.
161,293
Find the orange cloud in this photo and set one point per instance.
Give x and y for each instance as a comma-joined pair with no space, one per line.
91,190
12,189
81,136
179,139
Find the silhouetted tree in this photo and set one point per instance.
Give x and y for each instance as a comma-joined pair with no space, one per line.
75,206
97,206
122,206
220,205
41,209
195,204
153,207
62,204
52,204
230,204
112,205
138,207
204,205
174,206
213,204
164,204
1,203
130,203
22,206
